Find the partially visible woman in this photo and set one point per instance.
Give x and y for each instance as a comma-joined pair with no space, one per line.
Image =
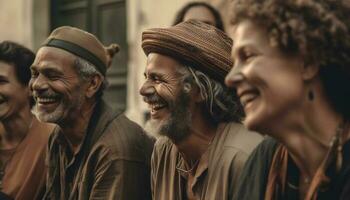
292,74
200,11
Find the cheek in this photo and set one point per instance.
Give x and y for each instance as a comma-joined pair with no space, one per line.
282,92
65,89
166,91
30,84
276,78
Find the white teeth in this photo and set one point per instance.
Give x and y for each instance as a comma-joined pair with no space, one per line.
46,100
156,106
245,99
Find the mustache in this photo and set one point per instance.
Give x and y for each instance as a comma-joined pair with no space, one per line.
46,94
153,99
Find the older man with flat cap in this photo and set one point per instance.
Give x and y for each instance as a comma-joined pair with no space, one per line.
96,153
205,146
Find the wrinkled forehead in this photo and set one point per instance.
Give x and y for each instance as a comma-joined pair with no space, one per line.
53,54
162,63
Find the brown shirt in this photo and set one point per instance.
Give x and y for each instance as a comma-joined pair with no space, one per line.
25,172
218,170
113,161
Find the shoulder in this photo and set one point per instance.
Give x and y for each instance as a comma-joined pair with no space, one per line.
241,139
261,157
124,139
41,130
233,146
252,181
163,147
40,134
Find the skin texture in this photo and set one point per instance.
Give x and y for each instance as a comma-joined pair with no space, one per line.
13,95
200,13
71,99
53,76
266,91
164,86
273,87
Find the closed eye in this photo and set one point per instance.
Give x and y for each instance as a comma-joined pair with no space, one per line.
154,77
247,56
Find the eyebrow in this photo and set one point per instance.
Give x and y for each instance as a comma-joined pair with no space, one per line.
245,46
153,74
47,70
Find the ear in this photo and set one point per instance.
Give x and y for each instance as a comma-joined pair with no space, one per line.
93,85
194,92
310,71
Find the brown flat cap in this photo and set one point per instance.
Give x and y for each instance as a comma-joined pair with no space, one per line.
197,44
82,44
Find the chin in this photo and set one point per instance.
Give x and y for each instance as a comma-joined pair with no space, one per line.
53,117
254,122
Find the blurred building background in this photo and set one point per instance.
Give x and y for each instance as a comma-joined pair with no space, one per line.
120,21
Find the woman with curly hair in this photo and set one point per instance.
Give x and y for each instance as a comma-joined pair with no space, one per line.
292,74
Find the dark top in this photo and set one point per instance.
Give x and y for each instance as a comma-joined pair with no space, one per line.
253,180
113,161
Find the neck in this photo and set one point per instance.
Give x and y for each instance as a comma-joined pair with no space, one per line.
74,127
307,133
199,139
15,128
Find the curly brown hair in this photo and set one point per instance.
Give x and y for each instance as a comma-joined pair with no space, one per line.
319,30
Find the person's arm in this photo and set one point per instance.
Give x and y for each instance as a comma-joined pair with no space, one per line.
121,179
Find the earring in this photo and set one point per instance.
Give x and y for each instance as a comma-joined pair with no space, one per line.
187,87
311,95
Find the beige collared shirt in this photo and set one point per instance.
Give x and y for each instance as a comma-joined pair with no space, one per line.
218,169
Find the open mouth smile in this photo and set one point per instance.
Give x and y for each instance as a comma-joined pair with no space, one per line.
47,102
156,107
248,96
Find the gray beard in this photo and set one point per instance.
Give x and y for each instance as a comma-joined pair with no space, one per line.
59,113
177,127
53,117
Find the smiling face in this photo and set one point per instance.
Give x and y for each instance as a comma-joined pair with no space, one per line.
56,87
13,95
163,91
269,83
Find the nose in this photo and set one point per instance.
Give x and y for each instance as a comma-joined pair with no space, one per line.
38,84
234,77
147,89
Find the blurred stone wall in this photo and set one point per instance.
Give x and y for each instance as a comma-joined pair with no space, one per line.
16,21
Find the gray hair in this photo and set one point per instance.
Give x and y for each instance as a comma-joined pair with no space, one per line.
86,70
221,103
